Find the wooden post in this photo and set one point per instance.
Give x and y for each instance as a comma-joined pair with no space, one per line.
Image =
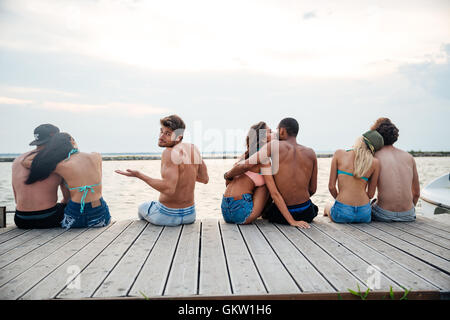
2,217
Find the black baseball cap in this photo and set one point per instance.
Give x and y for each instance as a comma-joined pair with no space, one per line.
43,134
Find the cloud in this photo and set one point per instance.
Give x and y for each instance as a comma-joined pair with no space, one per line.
37,91
14,101
433,75
154,36
132,109
309,15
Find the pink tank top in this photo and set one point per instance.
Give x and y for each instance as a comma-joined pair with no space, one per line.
257,179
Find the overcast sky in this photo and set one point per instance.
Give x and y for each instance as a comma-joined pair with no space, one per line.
107,71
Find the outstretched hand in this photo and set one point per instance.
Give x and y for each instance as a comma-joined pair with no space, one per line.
129,173
301,224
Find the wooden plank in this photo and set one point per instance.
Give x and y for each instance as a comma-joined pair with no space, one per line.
214,279
118,283
389,267
55,281
12,234
406,247
94,274
183,277
7,229
25,262
19,240
414,240
153,276
29,246
243,273
274,274
19,285
353,263
421,233
339,277
303,272
422,269
433,223
436,232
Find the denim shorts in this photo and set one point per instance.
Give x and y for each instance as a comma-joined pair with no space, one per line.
343,213
91,217
158,214
379,214
237,211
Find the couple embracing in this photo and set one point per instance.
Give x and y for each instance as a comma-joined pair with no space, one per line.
275,178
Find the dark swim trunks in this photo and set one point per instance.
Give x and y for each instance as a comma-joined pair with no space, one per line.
49,218
306,211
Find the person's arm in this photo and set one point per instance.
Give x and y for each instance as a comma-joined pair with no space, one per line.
260,157
313,182
278,199
28,160
202,175
15,196
415,184
169,174
333,177
65,191
373,181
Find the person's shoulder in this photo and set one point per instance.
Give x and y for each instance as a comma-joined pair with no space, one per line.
310,152
23,156
95,155
375,162
339,152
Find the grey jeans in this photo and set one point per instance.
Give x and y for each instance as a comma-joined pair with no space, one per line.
380,214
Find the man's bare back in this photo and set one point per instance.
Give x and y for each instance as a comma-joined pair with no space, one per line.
398,184
40,195
296,178
187,160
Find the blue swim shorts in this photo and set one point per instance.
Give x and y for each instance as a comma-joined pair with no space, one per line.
157,213
343,213
237,211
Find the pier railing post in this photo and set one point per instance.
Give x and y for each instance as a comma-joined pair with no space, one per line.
2,217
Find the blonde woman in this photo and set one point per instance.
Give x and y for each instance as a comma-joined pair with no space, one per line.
356,173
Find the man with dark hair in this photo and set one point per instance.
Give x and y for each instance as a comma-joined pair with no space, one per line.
294,169
398,183
181,166
36,203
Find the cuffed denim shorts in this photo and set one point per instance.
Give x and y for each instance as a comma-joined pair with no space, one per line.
90,217
237,211
158,214
379,214
343,213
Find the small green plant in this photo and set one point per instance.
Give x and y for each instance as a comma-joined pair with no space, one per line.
362,295
145,297
405,294
392,296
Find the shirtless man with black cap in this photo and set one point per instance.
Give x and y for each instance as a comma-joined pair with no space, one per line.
294,169
36,204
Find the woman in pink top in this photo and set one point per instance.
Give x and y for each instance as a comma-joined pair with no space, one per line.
246,195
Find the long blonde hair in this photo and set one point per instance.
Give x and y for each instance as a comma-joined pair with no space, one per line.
363,158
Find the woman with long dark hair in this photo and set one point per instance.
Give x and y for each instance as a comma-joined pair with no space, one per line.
82,173
246,195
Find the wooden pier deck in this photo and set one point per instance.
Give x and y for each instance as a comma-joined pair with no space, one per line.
211,258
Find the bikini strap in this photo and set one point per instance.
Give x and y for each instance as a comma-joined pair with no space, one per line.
73,151
85,190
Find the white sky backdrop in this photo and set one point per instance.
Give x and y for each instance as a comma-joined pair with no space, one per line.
107,71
